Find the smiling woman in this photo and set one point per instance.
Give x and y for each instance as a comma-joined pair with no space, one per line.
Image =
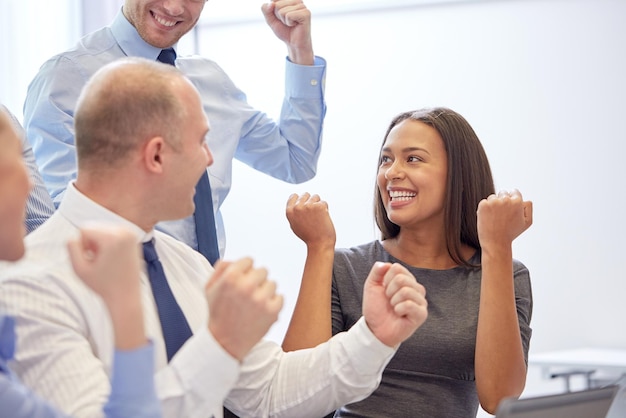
439,219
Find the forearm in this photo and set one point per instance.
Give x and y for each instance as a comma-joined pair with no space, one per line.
127,318
311,323
302,116
310,383
499,359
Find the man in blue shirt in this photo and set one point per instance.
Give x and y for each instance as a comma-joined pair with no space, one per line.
106,259
287,149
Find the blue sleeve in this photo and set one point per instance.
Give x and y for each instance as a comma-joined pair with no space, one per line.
290,149
17,401
49,121
133,392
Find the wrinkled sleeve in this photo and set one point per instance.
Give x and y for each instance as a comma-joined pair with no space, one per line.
17,401
49,122
54,356
289,150
197,379
311,382
133,392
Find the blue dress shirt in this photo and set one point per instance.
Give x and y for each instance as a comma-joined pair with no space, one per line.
39,206
287,150
132,388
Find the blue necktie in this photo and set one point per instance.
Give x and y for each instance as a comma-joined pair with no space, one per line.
167,56
173,322
206,236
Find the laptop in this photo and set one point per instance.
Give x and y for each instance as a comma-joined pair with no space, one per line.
590,403
618,409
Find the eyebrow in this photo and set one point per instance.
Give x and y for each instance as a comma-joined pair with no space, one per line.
407,150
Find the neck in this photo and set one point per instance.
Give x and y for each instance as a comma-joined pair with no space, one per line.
423,250
119,197
419,254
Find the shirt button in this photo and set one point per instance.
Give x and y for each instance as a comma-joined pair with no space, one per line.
314,82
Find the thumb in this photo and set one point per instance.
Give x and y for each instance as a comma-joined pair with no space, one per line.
528,212
77,257
218,270
377,273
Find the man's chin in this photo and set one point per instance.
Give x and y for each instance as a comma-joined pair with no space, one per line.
179,216
13,252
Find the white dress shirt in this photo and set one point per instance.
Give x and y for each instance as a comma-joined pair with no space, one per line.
65,338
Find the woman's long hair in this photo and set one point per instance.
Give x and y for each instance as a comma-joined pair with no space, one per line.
469,179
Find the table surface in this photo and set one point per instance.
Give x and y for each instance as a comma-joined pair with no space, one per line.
599,358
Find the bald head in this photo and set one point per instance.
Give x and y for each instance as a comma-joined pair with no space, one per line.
122,105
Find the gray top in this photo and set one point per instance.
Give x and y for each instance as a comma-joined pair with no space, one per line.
432,373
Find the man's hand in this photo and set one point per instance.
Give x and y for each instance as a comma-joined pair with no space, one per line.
309,219
243,305
291,22
394,304
107,258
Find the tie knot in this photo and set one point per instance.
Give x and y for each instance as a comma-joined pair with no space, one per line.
167,56
149,252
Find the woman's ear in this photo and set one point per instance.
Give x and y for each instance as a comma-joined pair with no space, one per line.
153,154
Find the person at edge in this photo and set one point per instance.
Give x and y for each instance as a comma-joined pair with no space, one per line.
39,205
105,259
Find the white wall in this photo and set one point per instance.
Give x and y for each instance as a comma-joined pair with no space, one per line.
542,82
31,31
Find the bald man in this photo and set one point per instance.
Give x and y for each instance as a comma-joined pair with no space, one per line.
140,132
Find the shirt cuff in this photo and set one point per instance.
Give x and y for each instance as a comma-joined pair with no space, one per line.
365,350
305,81
206,373
130,368
133,391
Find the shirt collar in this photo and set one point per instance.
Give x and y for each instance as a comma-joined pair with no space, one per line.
129,40
80,210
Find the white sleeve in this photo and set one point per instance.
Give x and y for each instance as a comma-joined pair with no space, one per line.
55,356
311,382
197,379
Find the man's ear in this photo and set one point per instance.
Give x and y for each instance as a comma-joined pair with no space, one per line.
153,154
